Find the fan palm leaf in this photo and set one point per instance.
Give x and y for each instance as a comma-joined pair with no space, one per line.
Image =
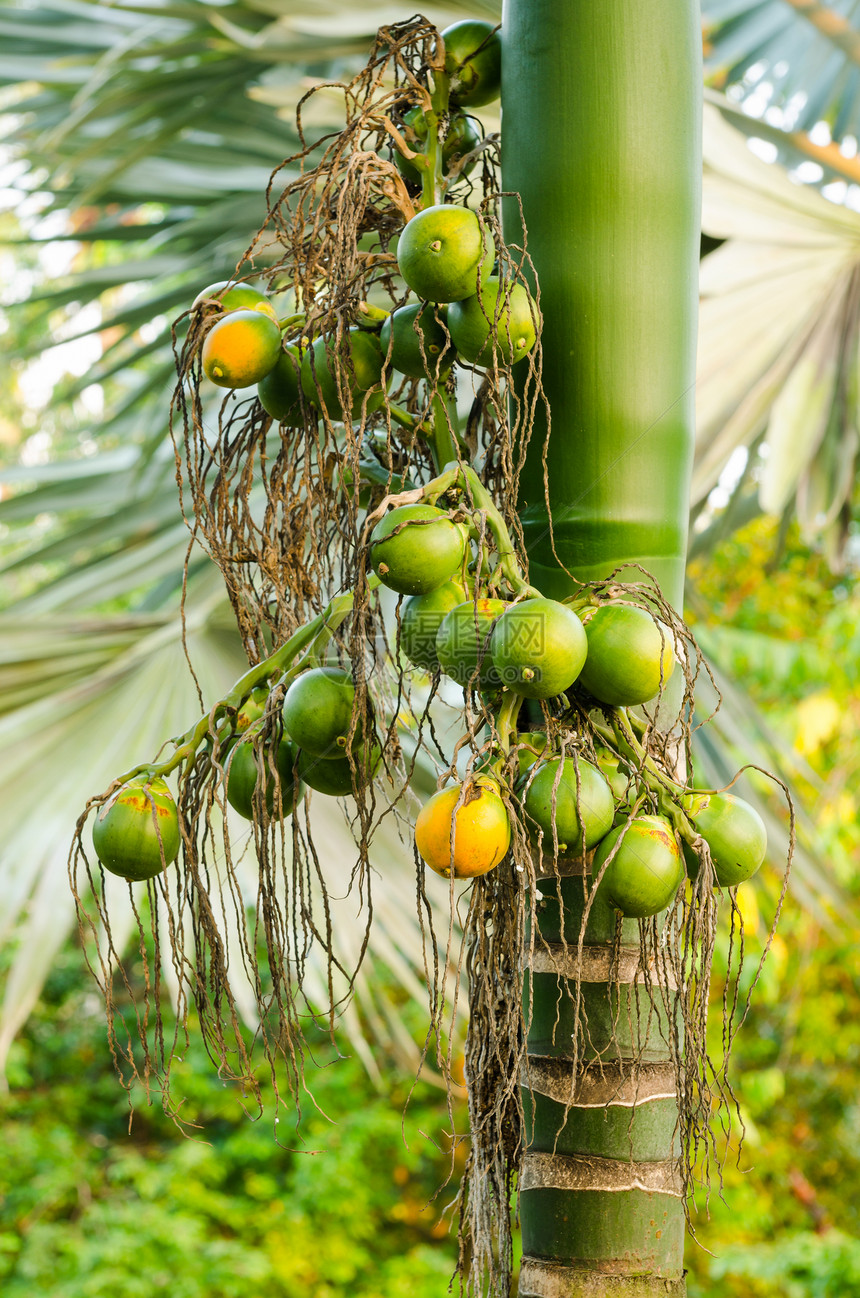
797,59
778,336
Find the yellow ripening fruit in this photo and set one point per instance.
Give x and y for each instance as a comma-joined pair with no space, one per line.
241,349
465,841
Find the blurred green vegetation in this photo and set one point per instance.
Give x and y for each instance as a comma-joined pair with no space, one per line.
771,612
790,1223
97,1203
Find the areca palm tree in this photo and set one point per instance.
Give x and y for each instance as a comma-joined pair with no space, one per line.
163,132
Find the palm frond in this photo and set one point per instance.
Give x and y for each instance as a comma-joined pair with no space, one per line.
798,61
778,335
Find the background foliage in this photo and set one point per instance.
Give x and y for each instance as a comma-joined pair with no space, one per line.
93,1205
788,627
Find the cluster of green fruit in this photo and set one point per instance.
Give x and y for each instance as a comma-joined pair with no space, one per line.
536,647
602,656
137,834
593,656
313,749
611,655
639,859
467,314
473,67
445,255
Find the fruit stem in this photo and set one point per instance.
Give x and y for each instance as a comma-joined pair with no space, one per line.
372,315
400,416
579,603
506,721
306,637
433,185
442,437
636,724
681,822
666,790
339,608
430,179
483,501
630,747
464,476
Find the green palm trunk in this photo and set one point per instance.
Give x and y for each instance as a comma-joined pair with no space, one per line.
601,107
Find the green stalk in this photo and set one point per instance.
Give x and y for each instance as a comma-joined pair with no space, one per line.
310,638
506,721
602,128
432,183
443,431
431,178
462,477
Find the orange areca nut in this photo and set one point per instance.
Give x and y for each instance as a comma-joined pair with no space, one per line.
241,349
465,840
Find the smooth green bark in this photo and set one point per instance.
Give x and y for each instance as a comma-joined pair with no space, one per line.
601,107
643,1132
602,139
585,1227
622,1020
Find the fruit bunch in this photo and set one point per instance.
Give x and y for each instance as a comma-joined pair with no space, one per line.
308,364
566,766
466,314
579,664
580,779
